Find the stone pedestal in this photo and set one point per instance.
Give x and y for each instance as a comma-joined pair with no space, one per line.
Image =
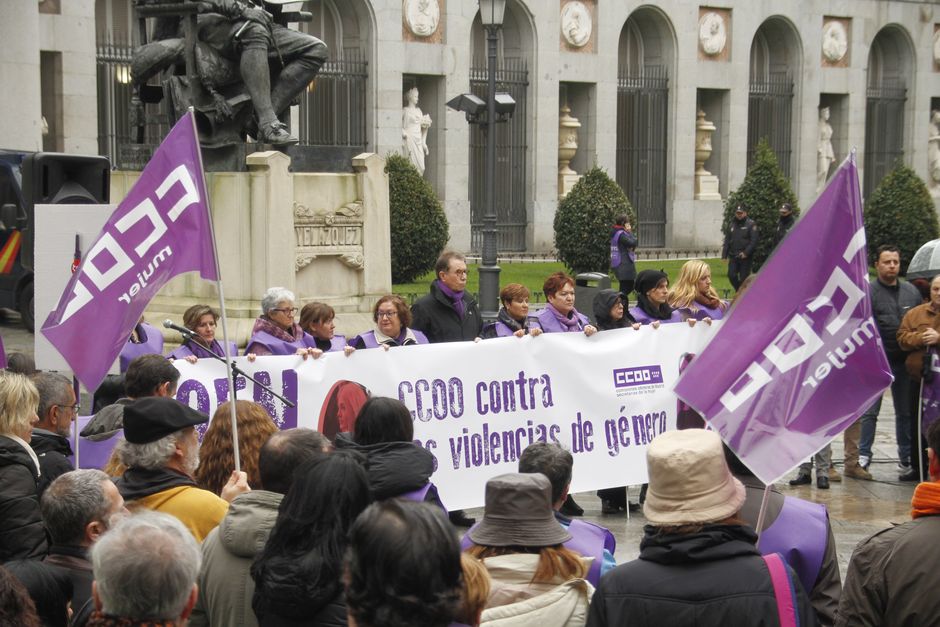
567,148
323,236
706,183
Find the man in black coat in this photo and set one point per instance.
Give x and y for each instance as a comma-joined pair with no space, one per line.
740,242
448,313
57,410
77,509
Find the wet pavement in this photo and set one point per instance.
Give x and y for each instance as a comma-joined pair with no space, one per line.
856,508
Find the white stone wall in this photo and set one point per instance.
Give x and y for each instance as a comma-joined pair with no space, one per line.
24,33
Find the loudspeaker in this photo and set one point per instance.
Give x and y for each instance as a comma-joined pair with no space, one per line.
51,178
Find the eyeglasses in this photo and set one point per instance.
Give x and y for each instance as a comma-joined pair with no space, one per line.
74,407
460,272
386,314
290,311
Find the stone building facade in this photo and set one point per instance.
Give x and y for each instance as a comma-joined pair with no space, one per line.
635,76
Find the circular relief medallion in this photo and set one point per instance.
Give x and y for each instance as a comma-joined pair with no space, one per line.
711,33
422,16
835,41
576,24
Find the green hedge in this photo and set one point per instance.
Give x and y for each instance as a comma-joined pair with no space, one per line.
584,219
763,190
419,228
900,212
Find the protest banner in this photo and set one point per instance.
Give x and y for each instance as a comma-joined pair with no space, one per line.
160,230
930,390
476,406
799,358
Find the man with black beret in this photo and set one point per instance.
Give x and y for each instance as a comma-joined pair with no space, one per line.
161,452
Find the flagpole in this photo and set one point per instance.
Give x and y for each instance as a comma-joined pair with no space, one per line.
218,285
763,511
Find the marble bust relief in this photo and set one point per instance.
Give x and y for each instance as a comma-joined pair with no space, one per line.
576,24
936,46
422,16
835,41
712,33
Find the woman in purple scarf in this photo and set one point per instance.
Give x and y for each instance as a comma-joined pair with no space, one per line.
559,315
392,321
652,287
693,295
201,320
275,332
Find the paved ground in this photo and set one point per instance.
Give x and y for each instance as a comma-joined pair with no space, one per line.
857,508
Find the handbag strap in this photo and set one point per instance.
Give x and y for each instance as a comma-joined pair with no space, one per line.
783,590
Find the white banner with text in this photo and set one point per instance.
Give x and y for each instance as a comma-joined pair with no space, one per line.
476,406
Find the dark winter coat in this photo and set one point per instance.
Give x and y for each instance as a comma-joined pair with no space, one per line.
715,577
603,302
889,304
53,452
435,316
626,244
22,535
740,238
394,468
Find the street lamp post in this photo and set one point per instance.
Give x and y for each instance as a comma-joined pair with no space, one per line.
491,16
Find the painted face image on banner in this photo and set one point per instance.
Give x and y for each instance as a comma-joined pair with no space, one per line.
341,407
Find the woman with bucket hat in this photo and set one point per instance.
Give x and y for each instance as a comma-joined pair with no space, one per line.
699,564
534,579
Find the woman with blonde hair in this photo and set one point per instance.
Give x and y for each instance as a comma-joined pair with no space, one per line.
217,458
693,295
21,532
534,579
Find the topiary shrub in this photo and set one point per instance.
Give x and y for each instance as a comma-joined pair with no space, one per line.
584,219
763,190
419,228
900,212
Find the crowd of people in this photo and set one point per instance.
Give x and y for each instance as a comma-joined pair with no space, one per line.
348,528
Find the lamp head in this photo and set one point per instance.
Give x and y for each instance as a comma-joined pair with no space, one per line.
491,12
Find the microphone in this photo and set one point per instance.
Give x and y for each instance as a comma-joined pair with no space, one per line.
168,324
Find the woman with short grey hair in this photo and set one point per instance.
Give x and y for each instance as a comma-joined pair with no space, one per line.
275,332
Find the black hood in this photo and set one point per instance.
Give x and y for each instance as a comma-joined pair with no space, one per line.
137,483
713,542
394,468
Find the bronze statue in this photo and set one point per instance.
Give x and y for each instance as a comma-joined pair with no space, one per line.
241,55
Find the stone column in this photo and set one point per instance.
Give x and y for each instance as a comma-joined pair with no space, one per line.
372,182
272,222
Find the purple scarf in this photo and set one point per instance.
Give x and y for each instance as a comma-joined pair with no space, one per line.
570,323
267,325
455,297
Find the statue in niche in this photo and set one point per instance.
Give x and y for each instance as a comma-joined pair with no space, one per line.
835,41
422,16
936,46
711,33
933,152
249,69
576,24
824,152
414,130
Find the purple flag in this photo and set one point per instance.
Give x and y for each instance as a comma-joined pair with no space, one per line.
799,358
160,230
930,392
3,355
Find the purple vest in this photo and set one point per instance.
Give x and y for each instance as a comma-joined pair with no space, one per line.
3,355
550,324
151,343
640,316
587,540
369,341
277,346
188,348
799,534
338,343
94,454
421,495
503,330
701,312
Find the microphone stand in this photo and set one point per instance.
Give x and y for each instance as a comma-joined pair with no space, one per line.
189,335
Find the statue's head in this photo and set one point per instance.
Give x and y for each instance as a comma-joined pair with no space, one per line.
412,95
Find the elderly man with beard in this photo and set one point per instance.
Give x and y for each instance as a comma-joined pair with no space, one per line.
161,452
